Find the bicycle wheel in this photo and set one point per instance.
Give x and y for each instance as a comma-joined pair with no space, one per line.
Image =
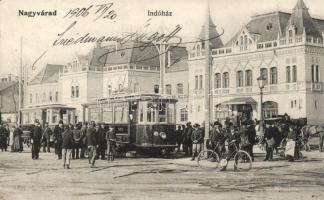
208,158
242,161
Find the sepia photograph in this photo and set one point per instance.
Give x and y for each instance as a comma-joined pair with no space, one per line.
161,99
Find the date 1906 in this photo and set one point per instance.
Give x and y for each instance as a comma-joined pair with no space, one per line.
103,11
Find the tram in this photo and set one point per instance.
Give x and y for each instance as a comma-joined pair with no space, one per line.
142,122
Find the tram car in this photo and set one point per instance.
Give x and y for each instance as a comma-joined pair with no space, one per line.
144,123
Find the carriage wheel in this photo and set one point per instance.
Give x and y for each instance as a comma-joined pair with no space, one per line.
242,161
208,158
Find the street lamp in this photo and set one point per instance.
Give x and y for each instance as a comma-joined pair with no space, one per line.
261,82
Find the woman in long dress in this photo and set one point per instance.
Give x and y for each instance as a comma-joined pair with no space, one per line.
17,146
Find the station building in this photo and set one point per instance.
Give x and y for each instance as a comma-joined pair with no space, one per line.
284,48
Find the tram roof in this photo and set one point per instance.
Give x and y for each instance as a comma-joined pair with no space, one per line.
137,97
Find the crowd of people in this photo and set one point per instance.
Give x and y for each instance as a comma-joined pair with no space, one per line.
94,139
269,137
69,141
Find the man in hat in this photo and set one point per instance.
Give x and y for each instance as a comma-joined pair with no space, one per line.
58,140
196,139
83,142
46,138
67,145
92,142
217,138
187,143
76,142
36,136
100,129
3,137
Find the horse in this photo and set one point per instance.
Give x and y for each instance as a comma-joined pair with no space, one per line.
309,131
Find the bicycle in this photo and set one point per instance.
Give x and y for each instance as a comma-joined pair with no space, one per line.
208,157
242,159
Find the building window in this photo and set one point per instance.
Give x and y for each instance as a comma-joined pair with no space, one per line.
239,78
72,92
315,73
56,96
156,89
31,98
77,92
183,115
288,77
217,80
226,80
290,33
50,97
200,82
120,86
294,74
196,82
168,89
317,76
109,90
248,77
37,100
273,75
180,88
264,73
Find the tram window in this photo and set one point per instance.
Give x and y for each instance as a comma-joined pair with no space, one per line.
151,112
171,113
121,114
162,112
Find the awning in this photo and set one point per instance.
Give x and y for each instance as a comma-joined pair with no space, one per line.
48,106
240,101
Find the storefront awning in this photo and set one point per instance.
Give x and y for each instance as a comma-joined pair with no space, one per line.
47,106
240,101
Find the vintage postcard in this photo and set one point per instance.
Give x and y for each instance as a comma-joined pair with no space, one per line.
161,99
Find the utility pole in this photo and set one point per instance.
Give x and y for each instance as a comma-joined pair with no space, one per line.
207,76
20,82
162,49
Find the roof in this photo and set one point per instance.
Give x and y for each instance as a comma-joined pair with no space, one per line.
49,74
240,101
214,37
258,26
132,52
301,19
178,60
280,22
5,85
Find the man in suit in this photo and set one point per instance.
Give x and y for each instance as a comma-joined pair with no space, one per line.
36,136
83,142
92,142
67,145
187,143
58,131
46,138
102,144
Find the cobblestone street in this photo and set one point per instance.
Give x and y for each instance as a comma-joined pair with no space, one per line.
154,178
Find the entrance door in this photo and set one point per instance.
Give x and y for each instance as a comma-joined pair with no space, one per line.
245,112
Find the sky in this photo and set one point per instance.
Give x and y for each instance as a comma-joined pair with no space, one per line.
38,33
